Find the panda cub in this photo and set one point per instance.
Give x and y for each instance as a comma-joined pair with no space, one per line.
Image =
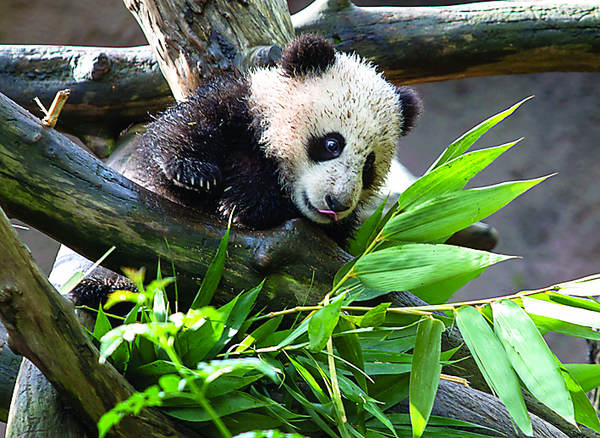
313,137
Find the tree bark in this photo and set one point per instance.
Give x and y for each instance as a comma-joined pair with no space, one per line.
55,186
424,44
410,44
196,41
110,87
42,326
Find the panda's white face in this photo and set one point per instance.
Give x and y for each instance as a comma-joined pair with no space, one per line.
333,133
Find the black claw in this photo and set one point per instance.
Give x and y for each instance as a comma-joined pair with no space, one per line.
193,175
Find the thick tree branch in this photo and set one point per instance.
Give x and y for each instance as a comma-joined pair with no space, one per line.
42,326
415,45
110,87
195,41
55,186
409,44
52,184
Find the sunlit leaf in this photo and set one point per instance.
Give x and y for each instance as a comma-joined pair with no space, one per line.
322,323
425,375
531,358
412,266
494,364
564,313
446,214
464,142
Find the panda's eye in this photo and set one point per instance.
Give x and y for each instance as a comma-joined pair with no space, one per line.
327,147
333,146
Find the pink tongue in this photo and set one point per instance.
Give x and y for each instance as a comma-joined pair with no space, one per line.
329,213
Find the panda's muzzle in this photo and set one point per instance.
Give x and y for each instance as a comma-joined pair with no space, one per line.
334,204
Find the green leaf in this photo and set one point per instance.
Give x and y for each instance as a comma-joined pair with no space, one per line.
102,325
569,314
587,375
446,214
132,406
366,232
531,358
459,146
412,266
425,375
493,362
159,308
228,404
213,275
70,284
349,348
259,334
584,411
566,328
583,287
375,316
242,306
451,176
322,323
441,291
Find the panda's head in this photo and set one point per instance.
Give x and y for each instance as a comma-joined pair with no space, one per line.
332,123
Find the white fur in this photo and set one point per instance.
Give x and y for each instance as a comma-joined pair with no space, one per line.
350,98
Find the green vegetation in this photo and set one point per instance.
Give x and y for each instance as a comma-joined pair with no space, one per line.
339,368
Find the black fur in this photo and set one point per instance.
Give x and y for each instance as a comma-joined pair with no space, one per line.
210,138
412,107
306,54
204,153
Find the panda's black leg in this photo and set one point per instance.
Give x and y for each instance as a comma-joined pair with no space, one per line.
193,174
252,195
93,291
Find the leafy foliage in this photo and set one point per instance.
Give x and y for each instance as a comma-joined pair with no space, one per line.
343,369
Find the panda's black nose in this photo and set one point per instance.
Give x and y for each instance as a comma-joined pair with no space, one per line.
334,204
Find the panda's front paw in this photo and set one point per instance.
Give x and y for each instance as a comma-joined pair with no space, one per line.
193,174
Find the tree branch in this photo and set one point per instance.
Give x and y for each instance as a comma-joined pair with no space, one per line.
196,41
416,45
42,326
410,44
55,186
110,87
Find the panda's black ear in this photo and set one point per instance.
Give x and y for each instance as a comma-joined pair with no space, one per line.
307,54
411,107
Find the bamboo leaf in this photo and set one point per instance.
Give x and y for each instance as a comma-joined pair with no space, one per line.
546,324
494,364
584,411
451,176
459,146
446,214
366,232
531,358
425,375
587,375
322,323
441,291
412,266
213,275
569,314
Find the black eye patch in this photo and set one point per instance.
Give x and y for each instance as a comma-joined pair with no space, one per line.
368,175
326,147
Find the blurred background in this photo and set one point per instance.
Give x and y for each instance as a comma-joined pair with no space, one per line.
553,227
